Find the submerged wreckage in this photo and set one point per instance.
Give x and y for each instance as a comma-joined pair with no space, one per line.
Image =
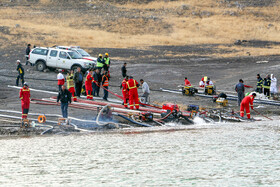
113,115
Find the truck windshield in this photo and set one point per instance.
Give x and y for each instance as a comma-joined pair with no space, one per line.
83,52
75,55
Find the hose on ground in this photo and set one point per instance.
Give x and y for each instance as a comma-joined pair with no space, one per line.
132,121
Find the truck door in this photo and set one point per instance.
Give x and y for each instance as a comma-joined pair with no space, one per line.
52,58
64,60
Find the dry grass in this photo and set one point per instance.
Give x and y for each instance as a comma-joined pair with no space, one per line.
70,28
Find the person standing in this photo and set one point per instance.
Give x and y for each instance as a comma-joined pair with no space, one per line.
24,95
100,62
124,70
78,79
27,51
240,89
133,93
70,84
64,96
88,84
99,80
105,85
259,84
246,103
107,64
125,92
60,80
266,86
95,85
146,90
20,73
273,86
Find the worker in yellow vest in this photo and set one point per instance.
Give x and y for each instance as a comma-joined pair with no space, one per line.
100,63
107,62
70,84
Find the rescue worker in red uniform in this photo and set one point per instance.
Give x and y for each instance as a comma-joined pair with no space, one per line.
70,85
245,104
133,93
125,91
24,95
187,82
88,84
60,80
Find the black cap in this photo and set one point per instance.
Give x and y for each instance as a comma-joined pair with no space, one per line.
240,80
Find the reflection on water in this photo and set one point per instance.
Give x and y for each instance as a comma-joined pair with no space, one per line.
204,155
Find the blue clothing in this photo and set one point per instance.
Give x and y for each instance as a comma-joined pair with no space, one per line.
80,78
64,109
240,88
105,93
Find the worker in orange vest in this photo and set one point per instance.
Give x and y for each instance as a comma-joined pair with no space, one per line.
246,103
24,95
133,93
105,84
88,84
125,91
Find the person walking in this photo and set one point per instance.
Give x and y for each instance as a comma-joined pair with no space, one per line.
146,91
125,91
105,85
133,93
259,84
273,86
20,73
60,80
70,84
24,95
240,89
27,51
88,84
124,70
246,103
64,96
266,86
78,79
100,62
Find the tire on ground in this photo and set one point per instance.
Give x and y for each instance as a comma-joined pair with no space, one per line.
41,66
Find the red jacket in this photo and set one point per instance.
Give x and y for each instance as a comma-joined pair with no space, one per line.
248,100
124,86
24,95
132,85
88,82
60,79
187,82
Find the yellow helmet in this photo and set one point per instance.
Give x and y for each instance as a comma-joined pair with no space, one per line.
106,54
100,55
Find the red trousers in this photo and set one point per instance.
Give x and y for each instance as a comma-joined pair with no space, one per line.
25,109
125,98
133,99
89,92
72,91
247,108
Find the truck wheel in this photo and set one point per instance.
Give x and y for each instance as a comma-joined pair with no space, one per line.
74,68
40,66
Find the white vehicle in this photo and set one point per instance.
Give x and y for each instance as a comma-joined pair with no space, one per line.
53,58
82,52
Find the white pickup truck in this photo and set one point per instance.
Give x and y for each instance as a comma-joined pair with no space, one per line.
43,58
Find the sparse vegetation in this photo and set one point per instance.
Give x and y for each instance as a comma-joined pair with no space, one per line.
128,24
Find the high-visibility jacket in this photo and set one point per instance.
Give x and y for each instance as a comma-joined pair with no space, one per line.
248,101
266,83
20,69
70,81
100,63
132,85
88,82
260,83
24,95
60,79
105,81
124,85
107,61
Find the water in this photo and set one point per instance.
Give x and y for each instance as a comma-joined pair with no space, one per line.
201,155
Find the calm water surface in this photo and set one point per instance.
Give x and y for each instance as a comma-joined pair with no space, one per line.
202,155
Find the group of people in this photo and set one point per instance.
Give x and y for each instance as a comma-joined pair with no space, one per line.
267,86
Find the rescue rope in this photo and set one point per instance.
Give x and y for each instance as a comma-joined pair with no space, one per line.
262,114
